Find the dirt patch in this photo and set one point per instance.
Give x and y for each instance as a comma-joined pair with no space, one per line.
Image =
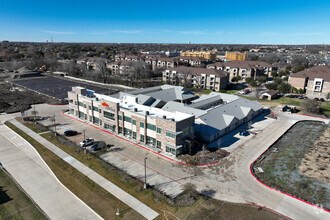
16,99
315,164
204,157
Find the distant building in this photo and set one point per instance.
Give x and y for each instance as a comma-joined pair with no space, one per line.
119,67
314,81
236,55
92,62
210,55
212,79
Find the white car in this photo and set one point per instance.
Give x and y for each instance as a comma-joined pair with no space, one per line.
86,142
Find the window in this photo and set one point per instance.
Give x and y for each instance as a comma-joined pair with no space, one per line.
84,105
127,119
95,108
75,102
90,107
151,141
120,117
71,101
151,127
170,135
141,137
90,118
81,115
159,130
141,124
134,135
108,126
170,150
109,115
127,132
100,111
80,104
71,111
134,122
159,144
120,130
96,120
100,122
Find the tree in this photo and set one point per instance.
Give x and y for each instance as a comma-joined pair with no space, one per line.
262,79
312,106
248,80
101,67
234,79
186,78
271,86
284,87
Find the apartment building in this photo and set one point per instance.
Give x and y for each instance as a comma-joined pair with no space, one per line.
120,66
92,62
235,55
244,69
168,132
315,81
212,79
210,55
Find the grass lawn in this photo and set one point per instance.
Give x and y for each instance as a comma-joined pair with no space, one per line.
166,211
14,204
92,194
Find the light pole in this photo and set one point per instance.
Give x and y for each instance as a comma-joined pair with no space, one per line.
84,135
145,173
54,125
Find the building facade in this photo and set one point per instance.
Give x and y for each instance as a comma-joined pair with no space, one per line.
235,55
315,81
164,131
211,79
210,55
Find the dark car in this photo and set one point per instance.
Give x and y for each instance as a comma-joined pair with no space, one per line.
322,100
95,147
316,99
70,133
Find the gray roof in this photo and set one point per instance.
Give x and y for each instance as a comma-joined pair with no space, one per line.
201,102
172,94
176,106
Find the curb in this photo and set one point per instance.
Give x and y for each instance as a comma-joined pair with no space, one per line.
186,164
264,184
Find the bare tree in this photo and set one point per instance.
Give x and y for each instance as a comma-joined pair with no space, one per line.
186,78
257,93
101,68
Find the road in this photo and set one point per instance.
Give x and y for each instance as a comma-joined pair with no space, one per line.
228,180
20,159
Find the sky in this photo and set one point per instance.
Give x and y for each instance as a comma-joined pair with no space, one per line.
167,21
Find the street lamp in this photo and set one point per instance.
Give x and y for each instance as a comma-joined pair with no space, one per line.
84,134
54,125
145,173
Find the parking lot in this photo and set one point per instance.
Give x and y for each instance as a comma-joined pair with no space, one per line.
57,87
165,175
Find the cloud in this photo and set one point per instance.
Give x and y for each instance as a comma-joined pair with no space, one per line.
127,31
60,32
270,33
192,32
306,34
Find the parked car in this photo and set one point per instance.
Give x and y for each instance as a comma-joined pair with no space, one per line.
95,147
316,99
243,132
70,133
322,100
87,142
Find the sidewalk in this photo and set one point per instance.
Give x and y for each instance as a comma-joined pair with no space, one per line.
135,204
28,169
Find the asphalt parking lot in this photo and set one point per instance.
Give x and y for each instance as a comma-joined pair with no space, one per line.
57,87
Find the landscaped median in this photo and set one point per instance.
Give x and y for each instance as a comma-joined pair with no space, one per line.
189,205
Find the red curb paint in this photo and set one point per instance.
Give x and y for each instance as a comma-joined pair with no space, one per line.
186,164
309,116
277,189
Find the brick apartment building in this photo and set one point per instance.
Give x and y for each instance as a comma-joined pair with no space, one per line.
314,81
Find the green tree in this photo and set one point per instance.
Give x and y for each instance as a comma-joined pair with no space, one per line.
262,79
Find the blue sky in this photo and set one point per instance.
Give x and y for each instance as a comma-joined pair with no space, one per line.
221,22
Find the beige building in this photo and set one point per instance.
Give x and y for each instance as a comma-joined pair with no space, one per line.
244,69
314,81
212,79
119,67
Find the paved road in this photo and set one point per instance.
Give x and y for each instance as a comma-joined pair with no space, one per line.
26,166
132,202
230,179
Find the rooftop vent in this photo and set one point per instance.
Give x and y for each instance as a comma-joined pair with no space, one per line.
135,109
147,112
164,116
172,119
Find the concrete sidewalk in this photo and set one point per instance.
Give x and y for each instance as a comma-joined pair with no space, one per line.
26,166
135,204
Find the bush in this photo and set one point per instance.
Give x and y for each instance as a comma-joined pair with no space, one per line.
262,79
312,106
248,80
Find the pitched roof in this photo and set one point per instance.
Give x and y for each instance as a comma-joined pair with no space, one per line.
199,71
242,64
314,72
